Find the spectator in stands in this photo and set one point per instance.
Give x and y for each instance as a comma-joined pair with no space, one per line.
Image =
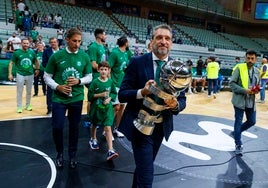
149,30
39,77
136,51
26,22
34,34
40,39
18,21
212,76
15,41
57,21
21,6
36,18
54,47
50,20
200,75
264,79
60,34
24,60
44,21
9,49
32,44
27,12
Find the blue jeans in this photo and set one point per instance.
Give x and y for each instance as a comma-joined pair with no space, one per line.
239,127
215,86
58,120
262,92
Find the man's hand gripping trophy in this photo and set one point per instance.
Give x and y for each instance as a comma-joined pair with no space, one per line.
175,77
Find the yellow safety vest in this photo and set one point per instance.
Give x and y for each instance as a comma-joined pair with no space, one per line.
212,70
266,73
243,69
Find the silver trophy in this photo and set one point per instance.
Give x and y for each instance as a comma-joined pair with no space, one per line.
175,77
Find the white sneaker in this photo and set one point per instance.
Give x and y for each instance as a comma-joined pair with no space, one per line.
118,133
104,134
214,96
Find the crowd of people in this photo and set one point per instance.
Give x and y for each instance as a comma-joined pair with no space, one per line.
25,20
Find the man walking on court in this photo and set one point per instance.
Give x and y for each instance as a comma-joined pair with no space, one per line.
24,60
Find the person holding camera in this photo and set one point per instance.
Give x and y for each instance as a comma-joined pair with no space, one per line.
244,83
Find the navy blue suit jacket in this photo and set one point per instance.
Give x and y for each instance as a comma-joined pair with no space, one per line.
46,55
138,72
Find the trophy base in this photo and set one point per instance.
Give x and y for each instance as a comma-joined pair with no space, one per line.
145,129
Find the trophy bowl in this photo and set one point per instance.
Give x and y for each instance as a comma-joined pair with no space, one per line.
175,76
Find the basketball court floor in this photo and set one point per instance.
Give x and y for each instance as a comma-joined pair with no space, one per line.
198,154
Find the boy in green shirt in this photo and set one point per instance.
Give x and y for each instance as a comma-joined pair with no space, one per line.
100,94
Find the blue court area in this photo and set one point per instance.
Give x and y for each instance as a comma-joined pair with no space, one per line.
199,153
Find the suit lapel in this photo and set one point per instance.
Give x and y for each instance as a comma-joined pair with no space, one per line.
149,67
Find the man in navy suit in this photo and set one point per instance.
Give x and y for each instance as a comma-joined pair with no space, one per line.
54,47
135,86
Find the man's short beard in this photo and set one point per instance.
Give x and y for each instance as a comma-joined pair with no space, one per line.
162,52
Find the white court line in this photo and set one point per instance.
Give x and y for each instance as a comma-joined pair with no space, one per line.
45,156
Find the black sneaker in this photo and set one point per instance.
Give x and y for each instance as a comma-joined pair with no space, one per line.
59,161
238,149
35,95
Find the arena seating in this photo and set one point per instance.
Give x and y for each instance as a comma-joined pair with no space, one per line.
195,41
200,36
245,43
74,16
5,13
206,5
135,25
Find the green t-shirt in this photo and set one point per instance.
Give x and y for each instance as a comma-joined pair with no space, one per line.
34,34
101,114
40,59
63,65
118,61
96,53
24,61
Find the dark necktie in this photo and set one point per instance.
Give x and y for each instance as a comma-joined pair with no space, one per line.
159,64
